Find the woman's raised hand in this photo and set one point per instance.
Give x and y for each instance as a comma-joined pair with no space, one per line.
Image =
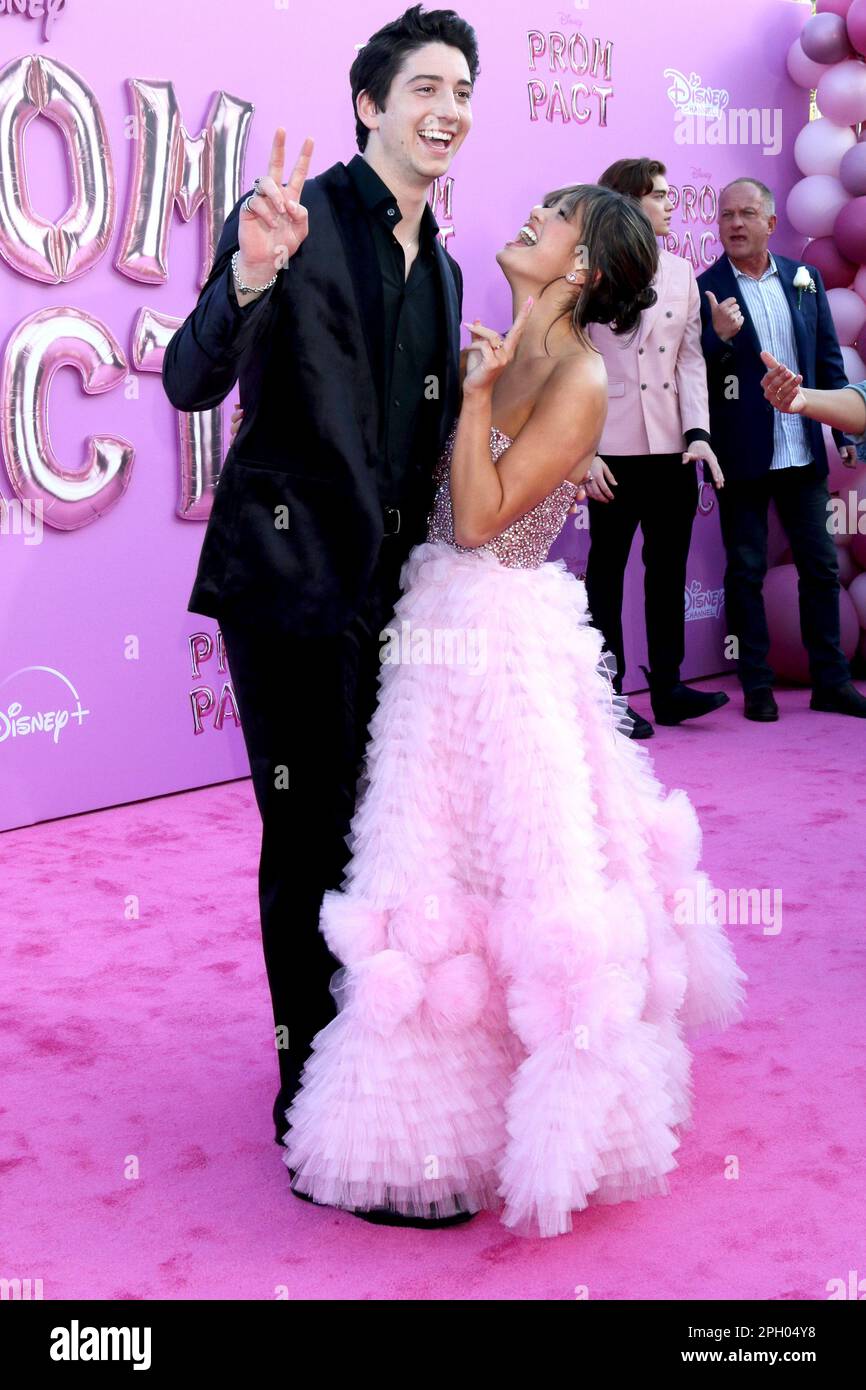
489,354
273,222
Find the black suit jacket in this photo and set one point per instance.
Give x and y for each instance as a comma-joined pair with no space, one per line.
742,424
309,359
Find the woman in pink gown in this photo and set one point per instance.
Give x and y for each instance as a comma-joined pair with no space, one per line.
519,964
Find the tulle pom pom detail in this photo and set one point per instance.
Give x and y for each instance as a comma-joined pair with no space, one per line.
438,924
675,843
457,991
561,939
612,997
386,989
586,1010
423,928
352,929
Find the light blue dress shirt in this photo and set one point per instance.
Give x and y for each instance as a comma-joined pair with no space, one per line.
771,314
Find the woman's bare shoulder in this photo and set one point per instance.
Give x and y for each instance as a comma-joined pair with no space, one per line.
583,371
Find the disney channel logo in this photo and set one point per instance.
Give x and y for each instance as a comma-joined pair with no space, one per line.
46,10
48,717
701,602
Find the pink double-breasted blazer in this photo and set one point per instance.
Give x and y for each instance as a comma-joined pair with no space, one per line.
657,382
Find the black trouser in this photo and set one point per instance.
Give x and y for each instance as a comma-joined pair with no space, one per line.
801,499
305,704
659,493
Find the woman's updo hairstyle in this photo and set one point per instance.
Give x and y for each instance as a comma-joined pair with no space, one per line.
619,252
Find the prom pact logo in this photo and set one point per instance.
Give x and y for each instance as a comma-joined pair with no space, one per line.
46,10
703,116
45,714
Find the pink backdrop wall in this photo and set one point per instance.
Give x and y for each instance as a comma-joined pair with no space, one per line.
95,641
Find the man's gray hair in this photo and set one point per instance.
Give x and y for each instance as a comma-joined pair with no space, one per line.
766,195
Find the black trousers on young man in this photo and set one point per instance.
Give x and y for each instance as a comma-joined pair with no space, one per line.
305,704
659,493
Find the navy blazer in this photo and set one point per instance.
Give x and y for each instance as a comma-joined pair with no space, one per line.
741,418
309,358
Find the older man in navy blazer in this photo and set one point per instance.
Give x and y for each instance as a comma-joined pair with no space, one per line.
750,304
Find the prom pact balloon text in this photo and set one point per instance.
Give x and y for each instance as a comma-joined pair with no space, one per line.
205,701
169,168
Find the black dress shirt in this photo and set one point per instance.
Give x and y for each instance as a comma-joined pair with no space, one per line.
414,354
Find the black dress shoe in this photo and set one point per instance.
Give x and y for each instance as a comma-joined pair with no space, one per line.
675,703
760,704
383,1216
640,727
839,699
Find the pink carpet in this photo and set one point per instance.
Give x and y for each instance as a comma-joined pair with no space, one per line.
136,1142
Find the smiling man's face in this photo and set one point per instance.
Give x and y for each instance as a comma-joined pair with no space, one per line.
431,93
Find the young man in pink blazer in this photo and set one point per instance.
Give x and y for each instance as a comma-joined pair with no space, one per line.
657,428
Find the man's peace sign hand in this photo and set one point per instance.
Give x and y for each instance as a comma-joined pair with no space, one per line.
273,221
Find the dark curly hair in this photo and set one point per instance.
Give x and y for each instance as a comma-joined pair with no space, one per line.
618,242
382,56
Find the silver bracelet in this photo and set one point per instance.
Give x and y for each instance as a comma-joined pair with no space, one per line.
251,289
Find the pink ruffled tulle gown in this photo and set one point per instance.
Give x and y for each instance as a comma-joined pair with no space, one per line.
518,968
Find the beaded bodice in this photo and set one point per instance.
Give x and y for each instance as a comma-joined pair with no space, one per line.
526,542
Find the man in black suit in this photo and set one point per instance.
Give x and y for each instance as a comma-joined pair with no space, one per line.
749,303
334,304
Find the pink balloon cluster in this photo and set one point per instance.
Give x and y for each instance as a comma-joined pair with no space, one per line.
828,205
846,521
